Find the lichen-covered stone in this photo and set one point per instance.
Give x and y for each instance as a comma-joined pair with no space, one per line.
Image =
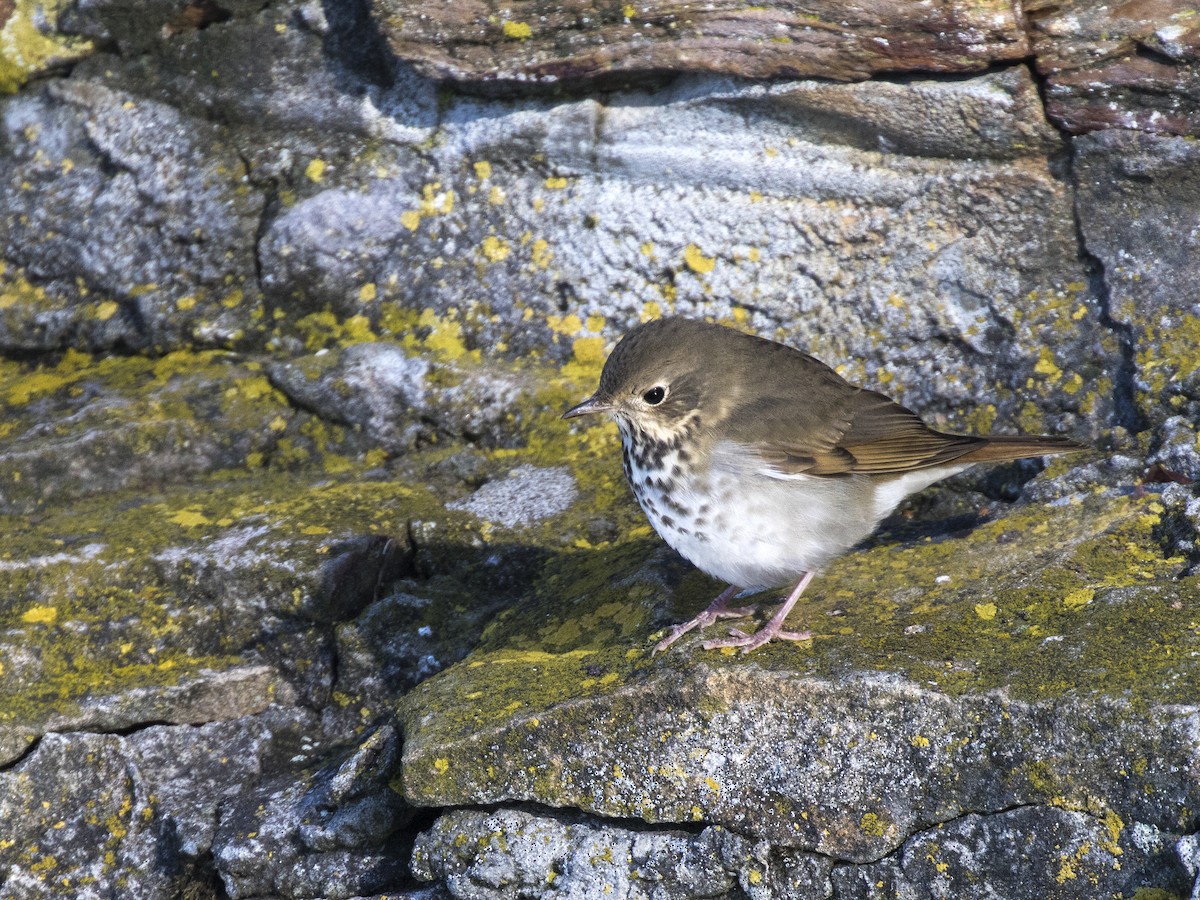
513,853
1024,854
76,427
962,680
176,262
185,607
1141,236
93,815
30,43
757,205
334,304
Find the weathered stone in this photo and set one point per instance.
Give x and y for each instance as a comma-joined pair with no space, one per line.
30,44
512,853
967,681
326,832
333,85
398,400
93,815
738,201
269,547
402,639
525,41
1139,204
75,429
159,612
177,262
1024,854
527,496
1127,65
995,116
145,25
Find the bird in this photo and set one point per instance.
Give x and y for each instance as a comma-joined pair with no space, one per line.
760,465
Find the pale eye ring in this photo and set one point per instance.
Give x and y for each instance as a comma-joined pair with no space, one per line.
655,395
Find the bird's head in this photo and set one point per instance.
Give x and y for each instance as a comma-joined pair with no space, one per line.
660,378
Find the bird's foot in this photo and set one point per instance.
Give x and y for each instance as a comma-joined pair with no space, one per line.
717,610
750,642
703,620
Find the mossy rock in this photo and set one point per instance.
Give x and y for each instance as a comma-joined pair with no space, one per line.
1048,656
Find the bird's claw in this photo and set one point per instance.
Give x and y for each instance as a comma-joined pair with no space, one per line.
748,642
706,618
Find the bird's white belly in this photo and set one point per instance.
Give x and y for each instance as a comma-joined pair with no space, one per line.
737,523
751,530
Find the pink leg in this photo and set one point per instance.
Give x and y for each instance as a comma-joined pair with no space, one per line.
718,609
770,631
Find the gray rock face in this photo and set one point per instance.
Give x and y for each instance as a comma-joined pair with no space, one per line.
94,815
527,496
852,785
798,217
1151,298
396,399
1030,853
286,328
514,853
177,256
329,831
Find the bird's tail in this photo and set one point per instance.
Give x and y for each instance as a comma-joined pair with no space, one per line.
1001,447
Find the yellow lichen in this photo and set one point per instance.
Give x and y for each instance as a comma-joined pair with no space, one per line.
315,170
872,824
31,43
588,350
697,261
541,254
40,615
1079,598
494,249
190,518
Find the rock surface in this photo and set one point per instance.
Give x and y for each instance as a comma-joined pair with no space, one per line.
1128,65
529,41
305,588
898,721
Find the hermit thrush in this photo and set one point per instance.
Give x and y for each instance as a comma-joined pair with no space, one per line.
760,464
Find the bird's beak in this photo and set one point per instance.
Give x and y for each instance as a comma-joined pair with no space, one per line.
587,407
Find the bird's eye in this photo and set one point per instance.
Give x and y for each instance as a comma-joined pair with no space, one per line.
655,395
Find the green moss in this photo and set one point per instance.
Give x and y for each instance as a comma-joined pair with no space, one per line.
907,609
107,594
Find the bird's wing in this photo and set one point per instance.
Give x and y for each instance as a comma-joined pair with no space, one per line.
860,432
